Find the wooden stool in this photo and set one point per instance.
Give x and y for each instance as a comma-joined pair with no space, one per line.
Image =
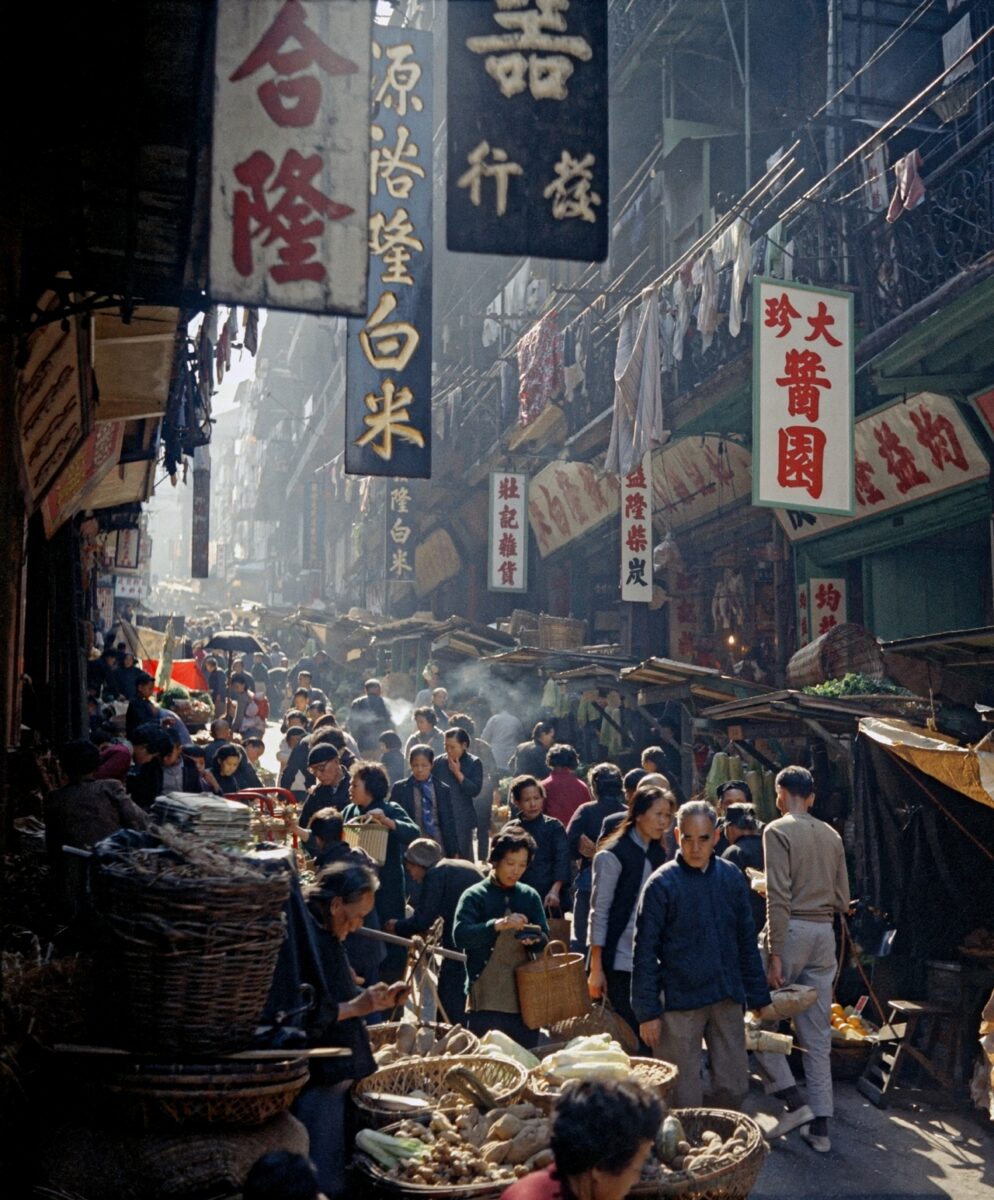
940,1026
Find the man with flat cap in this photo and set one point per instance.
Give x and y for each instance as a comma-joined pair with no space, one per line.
443,881
332,787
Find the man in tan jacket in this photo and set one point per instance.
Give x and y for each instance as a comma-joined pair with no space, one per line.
806,885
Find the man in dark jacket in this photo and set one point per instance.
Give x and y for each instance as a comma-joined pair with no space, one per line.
442,882
549,870
529,757
745,849
150,745
332,787
428,801
369,716
142,710
696,963
462,772
245,776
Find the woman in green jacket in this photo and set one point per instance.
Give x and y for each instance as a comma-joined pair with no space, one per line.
490,926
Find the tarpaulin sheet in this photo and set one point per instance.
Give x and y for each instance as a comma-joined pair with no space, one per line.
958,767
184,671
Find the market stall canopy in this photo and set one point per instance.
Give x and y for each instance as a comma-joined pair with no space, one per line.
664,679
529,657
957,665
966,769
782,709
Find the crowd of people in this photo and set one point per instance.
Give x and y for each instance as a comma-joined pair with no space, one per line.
497,835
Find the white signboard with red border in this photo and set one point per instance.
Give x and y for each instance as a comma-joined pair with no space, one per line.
508,549
636,533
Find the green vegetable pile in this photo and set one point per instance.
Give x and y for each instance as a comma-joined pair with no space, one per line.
854,684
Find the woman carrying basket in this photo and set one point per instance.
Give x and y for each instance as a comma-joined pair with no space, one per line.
497,922
368,791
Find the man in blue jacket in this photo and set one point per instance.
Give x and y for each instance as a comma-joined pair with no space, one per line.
696,963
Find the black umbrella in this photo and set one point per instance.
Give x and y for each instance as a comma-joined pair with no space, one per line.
232,642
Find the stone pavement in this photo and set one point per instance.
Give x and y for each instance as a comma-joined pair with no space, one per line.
897,1153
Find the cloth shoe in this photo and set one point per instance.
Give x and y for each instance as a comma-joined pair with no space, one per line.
816,1141
791,1121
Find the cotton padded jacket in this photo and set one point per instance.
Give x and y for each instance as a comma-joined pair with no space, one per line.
695,943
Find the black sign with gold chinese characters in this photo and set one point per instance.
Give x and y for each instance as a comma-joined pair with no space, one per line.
388,392
399,540
527,128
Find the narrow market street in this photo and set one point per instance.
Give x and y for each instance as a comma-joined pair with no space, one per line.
497,689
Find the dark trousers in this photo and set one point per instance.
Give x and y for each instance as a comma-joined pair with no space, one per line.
581,913
483,804
481,1023
452,990
323,1111
619,992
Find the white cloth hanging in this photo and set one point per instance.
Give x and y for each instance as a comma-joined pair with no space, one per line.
741,262
684,304
707,312
637,425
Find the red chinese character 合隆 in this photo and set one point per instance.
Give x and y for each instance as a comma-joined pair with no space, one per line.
508,545
867,491
828,596
819,326
637,539
938,435
293,100
899,459
801,459
507,488
780,312
296,219
635,506
508,518
804,382
507,570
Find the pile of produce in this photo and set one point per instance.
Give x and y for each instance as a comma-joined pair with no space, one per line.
422,1041
849,1026
498,1045
596,1056
675,1158
474,1148
854,684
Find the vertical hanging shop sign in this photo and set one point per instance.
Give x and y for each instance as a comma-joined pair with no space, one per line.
290,153
828,604
803,398
527,128
388,378
128,550
636,532
803,615
508,549
398,533
200,531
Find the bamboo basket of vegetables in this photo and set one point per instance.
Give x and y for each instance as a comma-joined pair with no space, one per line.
426,1040
425,1079
594,1057
470,1155
707,1153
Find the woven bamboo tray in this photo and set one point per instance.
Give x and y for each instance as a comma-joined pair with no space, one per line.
385,1033
651,1072
732,1182
503,1077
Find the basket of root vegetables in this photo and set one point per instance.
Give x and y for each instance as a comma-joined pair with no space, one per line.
708,1153
596,1056
471,1154
394,1040
416,1085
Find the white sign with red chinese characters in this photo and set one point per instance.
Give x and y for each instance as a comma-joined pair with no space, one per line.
696,477
828,604
803,615
802,398
290,155
508,557
636,532
909,451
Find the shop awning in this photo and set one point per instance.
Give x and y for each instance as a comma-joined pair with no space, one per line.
839,715
133,361
673,677
965,769
958,664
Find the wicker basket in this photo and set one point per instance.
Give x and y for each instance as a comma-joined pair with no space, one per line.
552,988
192,990
196,1101
848,1060
384,1185
385,1034
651,1072
560,633
843,649
368,836
601,1019
732,1182
503,1077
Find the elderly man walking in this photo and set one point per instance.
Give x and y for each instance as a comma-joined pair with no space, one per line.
806,885
696,965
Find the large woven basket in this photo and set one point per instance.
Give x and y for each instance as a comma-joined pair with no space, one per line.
650,1072
552,988
843,649
195,1097
384,1185
732,1182
560,633
501,1076
368,836
601,1019
385,1034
